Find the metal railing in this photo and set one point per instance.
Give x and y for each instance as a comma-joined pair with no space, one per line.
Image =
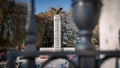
86,14
3,66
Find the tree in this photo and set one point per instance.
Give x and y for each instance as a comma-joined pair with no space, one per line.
45,20
45,28
12,22
3,9
95,37
17,24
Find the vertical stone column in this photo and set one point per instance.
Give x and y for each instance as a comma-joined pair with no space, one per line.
57,33
109,29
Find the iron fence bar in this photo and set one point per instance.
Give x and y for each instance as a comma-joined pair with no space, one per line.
57,57
11,59
116,62
30,51
107,55
81,53
86,14
110,53
31,35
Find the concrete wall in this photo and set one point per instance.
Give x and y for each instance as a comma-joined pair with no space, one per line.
109,28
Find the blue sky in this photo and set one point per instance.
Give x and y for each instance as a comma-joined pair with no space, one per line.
44,5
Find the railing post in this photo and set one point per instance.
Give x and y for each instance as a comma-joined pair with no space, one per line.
86,15
11,58
31,50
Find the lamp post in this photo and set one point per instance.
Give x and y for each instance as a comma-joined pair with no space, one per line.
86,14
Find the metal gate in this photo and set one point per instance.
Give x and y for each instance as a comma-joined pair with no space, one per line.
86,14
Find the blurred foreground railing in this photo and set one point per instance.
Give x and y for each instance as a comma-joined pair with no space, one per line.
86,14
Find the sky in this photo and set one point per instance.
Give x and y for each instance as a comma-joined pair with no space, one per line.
44,5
